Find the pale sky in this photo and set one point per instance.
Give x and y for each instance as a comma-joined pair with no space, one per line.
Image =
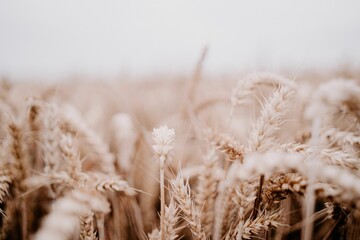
58,38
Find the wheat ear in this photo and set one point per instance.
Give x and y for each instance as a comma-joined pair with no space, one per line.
181,193
88,231
163,138
70,156
154,235
74,122
246,87
227,144
262,222
207,191
124,138
171,219
261,136
64,219
50,136
5,182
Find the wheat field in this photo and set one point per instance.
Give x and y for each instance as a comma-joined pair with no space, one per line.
258,156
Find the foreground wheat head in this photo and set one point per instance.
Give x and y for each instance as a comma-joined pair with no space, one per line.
266,158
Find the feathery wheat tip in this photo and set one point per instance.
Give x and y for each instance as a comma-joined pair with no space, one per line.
163,138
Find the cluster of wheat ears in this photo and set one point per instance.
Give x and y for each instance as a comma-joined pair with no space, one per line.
269,158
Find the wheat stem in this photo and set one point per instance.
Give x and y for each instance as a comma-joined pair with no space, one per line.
162,197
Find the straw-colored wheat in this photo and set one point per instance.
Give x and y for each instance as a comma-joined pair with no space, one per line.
264,158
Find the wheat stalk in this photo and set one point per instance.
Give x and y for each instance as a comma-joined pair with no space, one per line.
163,138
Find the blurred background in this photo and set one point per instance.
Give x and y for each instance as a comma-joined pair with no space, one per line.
52,40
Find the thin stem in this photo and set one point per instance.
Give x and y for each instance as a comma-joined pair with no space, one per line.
24,219
162,197
100,218
309,207
258,198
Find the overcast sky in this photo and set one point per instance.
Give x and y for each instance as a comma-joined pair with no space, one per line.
57,38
